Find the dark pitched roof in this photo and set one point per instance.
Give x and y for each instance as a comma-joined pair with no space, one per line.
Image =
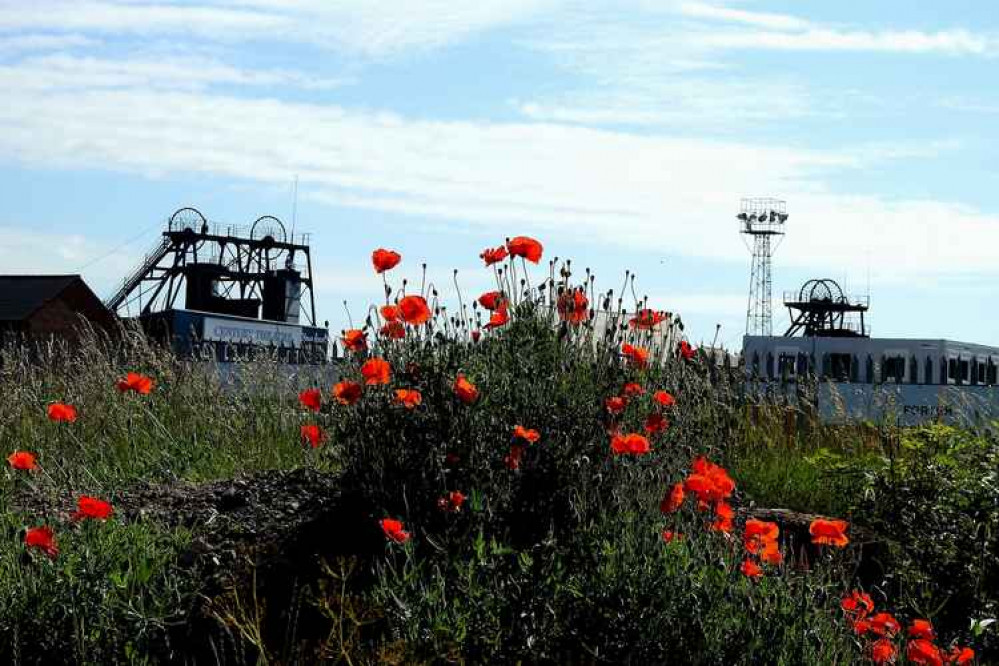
21,295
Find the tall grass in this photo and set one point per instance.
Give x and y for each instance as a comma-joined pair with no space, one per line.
559,559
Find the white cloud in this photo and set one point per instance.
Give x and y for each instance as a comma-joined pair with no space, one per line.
660,67
676,101
374,29
43,42
645,193
759,19
947,42
60,72
25,250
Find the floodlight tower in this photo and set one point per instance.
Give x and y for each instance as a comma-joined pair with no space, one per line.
762,220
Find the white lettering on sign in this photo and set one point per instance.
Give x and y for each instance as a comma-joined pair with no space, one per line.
225,330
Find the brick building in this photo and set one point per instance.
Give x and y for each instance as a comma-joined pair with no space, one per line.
43,305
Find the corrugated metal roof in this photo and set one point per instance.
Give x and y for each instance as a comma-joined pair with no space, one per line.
21,295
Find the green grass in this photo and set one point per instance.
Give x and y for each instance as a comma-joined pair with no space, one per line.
560,561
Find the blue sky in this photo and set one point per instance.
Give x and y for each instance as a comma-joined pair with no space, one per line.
622,134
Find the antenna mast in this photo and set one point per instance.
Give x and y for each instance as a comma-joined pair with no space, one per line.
761,219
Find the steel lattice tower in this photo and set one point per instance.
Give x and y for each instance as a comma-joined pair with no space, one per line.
762,220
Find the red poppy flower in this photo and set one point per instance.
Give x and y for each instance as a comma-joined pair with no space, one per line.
498,318
92,507
861,627
921,629
924,653
414,310
573,306
656,423
750,569
526,247
311,399
670,535
638,356
385,260
355,340
526,434
674,500
632,390
615,404
390,312
394,330
664,398
885,624
771,553
43,539
512,459
686,351
22,460
709,482
475,335
133,381
312,435
408,398
493,255
829,532
465,390
646,319
62,413
492,300
347,392
883,651
631,444
723,517
376,371
858,604
758,533
451,502
393,530
961,655
452,459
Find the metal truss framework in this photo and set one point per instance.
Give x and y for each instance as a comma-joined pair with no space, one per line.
761,219
238,257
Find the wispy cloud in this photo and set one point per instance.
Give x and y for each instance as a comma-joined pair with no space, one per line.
44,42
61,72
614,188
690,64
374,29
947,42
770,21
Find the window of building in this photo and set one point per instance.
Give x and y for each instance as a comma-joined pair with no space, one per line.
840,367
913,370
787,365
893,369
928,374
991,373
982,378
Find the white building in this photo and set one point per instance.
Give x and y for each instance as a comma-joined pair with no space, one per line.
857,377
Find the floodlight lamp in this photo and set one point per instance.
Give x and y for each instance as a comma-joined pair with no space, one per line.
742,216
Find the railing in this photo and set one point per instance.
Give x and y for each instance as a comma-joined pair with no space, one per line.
863,301
149,259
243,231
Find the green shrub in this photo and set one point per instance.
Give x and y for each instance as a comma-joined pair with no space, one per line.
935,500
